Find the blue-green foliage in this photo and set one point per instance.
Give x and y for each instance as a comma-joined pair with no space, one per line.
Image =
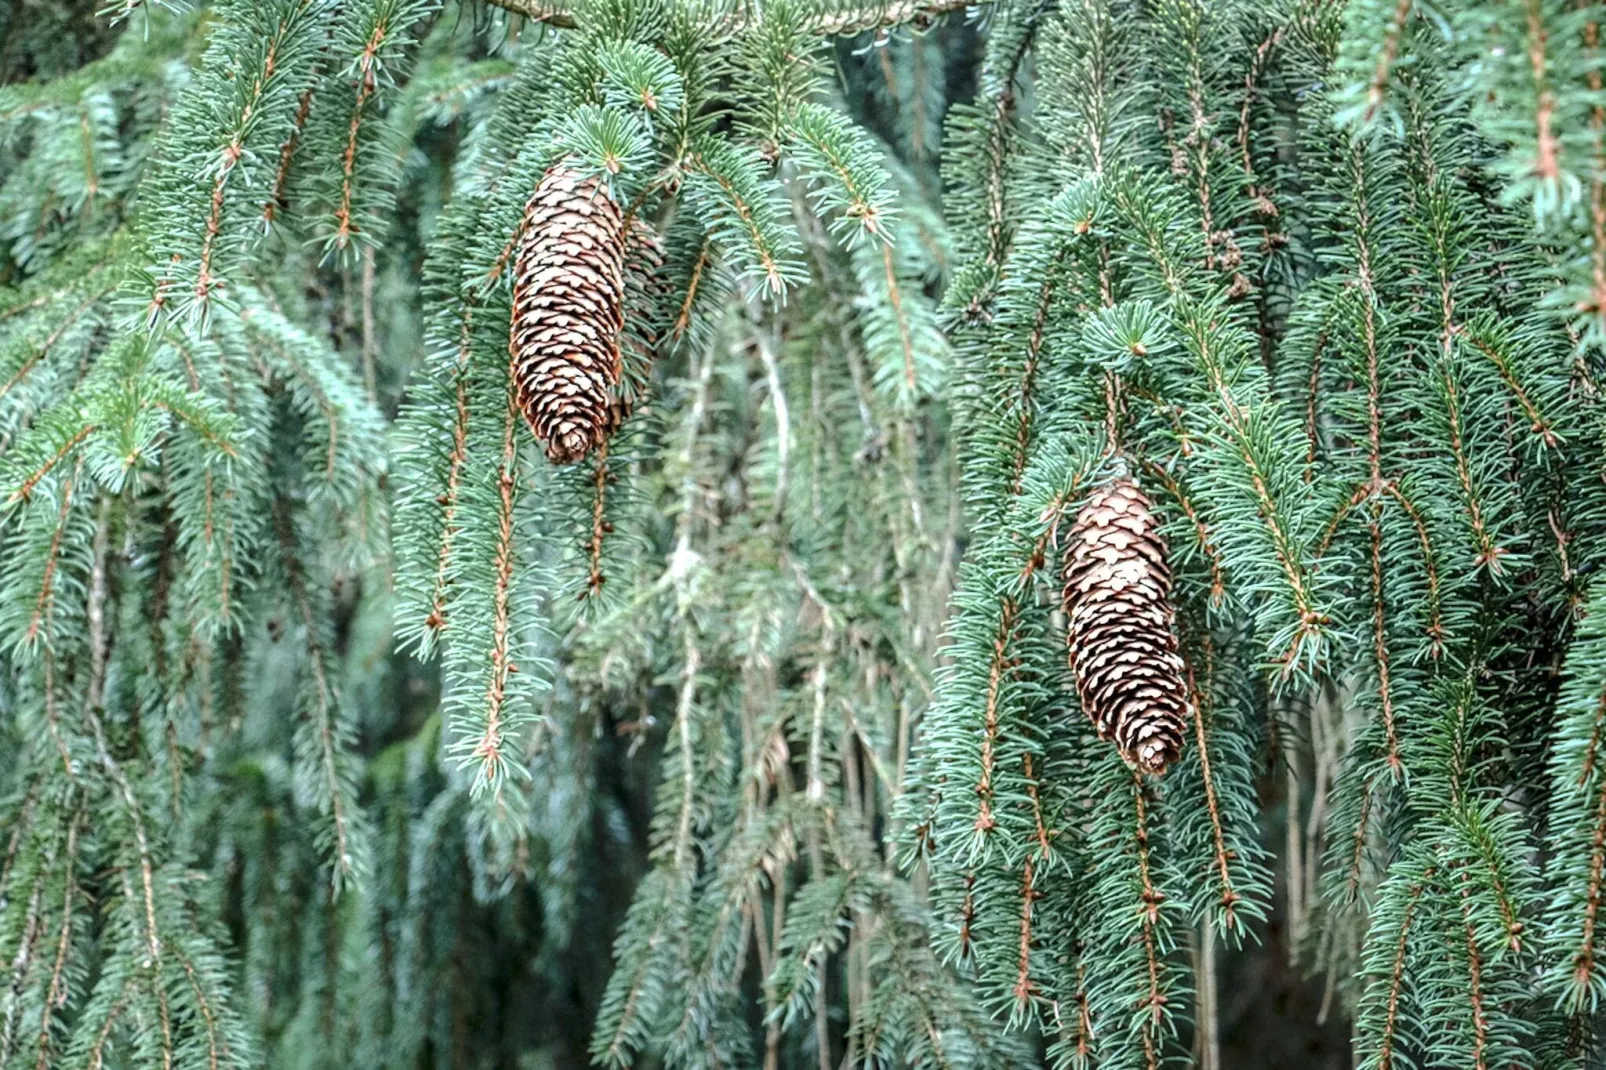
1300,310
787,657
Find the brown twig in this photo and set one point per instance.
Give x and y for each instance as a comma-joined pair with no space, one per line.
1229,898
1385,1052
1385,60
57,993
366,83
44,606
1154,1002
600,527
489,748
985,822
436,621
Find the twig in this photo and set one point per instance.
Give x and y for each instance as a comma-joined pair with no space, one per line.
370,343
783,420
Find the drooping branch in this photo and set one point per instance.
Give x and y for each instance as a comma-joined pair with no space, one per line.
849,19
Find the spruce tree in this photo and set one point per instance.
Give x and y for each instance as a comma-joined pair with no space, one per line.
706,534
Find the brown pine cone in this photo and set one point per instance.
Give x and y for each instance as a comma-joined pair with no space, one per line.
568,308
1122,637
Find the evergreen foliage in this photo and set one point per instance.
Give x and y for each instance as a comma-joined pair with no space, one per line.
343,728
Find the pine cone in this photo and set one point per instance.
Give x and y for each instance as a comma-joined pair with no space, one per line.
568,308
1122,638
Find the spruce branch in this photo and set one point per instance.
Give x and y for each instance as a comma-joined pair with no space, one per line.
328,738
1227,897
833,19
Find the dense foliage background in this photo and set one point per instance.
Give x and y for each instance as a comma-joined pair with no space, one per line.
338,727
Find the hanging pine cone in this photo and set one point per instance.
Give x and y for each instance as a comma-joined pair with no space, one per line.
1123,644
568,308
